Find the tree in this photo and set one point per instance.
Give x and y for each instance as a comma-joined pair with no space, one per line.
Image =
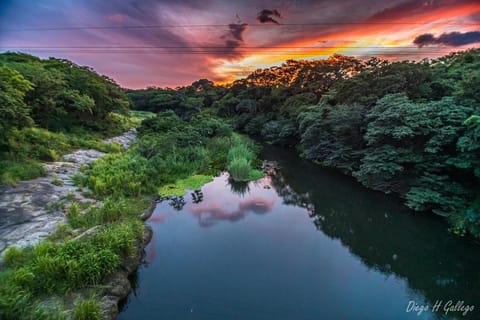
14,113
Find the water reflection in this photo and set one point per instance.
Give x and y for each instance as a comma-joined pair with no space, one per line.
303,243
212,212
381,232
197,196
239,187
230,207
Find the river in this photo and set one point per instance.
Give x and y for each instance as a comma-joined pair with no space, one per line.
303,243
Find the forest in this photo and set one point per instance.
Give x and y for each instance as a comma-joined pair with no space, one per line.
410,129
407,128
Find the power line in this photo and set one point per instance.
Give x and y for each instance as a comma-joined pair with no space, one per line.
236,53
60,28
262,50
207,47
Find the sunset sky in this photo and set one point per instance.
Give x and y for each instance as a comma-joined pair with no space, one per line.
142,43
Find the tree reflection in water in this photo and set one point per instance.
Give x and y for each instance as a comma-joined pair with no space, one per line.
382,233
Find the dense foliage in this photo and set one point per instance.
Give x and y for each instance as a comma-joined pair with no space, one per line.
50,107
168,150
60,94
409,128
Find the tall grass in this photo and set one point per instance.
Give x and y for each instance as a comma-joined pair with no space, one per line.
87,310
59,268
11,172
113,210
239,169
240,160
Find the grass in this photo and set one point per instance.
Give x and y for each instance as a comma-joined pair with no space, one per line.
239,169
241,156
60,268
57,182
64,264
87,310
29,146
180,187
113,210
124,174
11,172
15,256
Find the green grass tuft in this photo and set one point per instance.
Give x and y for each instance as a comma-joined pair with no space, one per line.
11,172
180,187
240,158
15,256
87,310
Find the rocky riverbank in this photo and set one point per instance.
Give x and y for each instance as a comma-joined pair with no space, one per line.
30,211
118,286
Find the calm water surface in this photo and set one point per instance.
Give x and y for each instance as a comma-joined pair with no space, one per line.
303,243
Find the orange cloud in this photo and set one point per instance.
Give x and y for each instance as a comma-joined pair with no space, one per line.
389,33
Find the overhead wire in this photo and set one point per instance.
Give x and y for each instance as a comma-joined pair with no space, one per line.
160,26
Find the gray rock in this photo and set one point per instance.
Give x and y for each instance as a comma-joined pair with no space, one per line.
108,307
121,286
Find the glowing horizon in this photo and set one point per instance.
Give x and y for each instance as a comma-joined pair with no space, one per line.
174,44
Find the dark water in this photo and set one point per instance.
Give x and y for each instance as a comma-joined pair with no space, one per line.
304,243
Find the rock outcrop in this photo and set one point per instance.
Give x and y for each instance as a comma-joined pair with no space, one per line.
29,211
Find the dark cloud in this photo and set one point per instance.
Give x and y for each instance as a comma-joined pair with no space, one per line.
237,30
266,15
234,37
453,39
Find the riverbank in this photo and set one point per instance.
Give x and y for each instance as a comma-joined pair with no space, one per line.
81,269
59,260
118,286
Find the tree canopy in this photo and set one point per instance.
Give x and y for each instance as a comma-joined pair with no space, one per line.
409,128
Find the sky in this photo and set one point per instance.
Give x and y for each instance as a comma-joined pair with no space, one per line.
170,43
